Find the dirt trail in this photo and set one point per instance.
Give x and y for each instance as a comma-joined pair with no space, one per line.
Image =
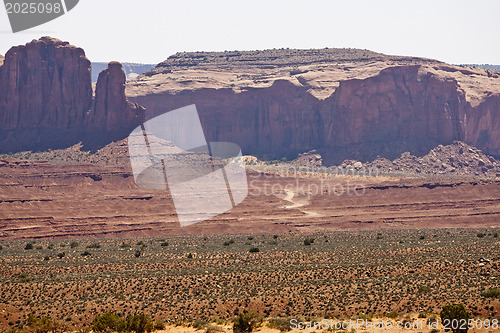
290,195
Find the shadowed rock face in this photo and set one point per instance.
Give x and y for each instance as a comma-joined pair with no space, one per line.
401,109
483,125
46,98
278,119
408,108
111,109
412,108
44,84
400,103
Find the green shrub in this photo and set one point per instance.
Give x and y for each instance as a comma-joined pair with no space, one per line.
455,312
164,244
199,324
308,241
229,242
282,324
93,246
40,325
73,244
254,250
393,315
86,253
61,255
246,322
23,277
29,246
108,322
138,323
159,325
424,289
491,293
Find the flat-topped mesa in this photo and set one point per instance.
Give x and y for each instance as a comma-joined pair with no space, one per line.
46,97
318,70
273,58
357,104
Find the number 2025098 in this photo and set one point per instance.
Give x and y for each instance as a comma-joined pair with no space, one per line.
463,324
33,8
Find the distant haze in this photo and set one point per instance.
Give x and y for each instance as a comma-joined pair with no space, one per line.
131,70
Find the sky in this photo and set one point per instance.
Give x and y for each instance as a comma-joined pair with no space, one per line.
148,31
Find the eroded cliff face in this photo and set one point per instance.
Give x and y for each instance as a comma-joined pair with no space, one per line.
44,84
411,108
483,125
111,110
280,118
46,98
402,108
400,103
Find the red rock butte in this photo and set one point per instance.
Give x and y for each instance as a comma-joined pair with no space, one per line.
345,103
47,98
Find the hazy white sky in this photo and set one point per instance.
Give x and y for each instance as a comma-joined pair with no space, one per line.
148,31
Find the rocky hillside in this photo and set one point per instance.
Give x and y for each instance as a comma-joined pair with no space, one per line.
46,98
457,159
345,103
